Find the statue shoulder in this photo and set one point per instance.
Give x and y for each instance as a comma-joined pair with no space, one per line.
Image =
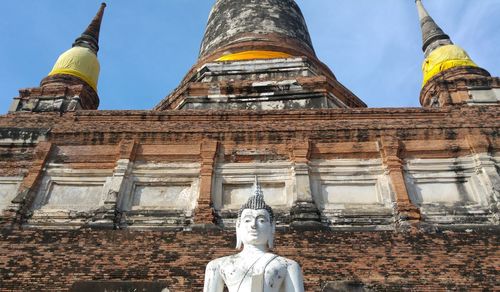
218,263
291,265
285,262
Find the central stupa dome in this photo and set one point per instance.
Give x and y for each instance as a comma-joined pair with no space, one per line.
273,25
258,55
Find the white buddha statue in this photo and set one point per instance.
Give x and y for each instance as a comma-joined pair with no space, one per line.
254,269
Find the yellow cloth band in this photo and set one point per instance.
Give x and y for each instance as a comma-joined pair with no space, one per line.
79,62
253,55
76,74
443,58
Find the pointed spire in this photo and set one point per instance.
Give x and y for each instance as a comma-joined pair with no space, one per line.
431,32
90,37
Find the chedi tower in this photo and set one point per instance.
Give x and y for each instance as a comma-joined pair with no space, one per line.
72,83
258,55
451,77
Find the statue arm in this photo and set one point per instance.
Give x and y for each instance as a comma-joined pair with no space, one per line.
294,281
213,279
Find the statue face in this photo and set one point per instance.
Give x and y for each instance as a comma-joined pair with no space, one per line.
255,227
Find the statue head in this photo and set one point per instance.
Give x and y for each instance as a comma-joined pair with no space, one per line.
255,224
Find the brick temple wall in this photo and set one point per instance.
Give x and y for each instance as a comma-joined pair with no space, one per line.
54,260
418,248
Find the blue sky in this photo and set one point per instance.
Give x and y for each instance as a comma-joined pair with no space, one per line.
373,47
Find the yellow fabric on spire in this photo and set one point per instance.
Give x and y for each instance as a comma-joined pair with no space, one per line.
443,58
80,62
253,55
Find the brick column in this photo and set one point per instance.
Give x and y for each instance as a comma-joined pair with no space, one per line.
204,213
22,203
406,211
112,214
304,211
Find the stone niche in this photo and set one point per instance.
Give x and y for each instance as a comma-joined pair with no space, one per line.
233,185
69,197
160,194
449,191
352,192
8,191
133,195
